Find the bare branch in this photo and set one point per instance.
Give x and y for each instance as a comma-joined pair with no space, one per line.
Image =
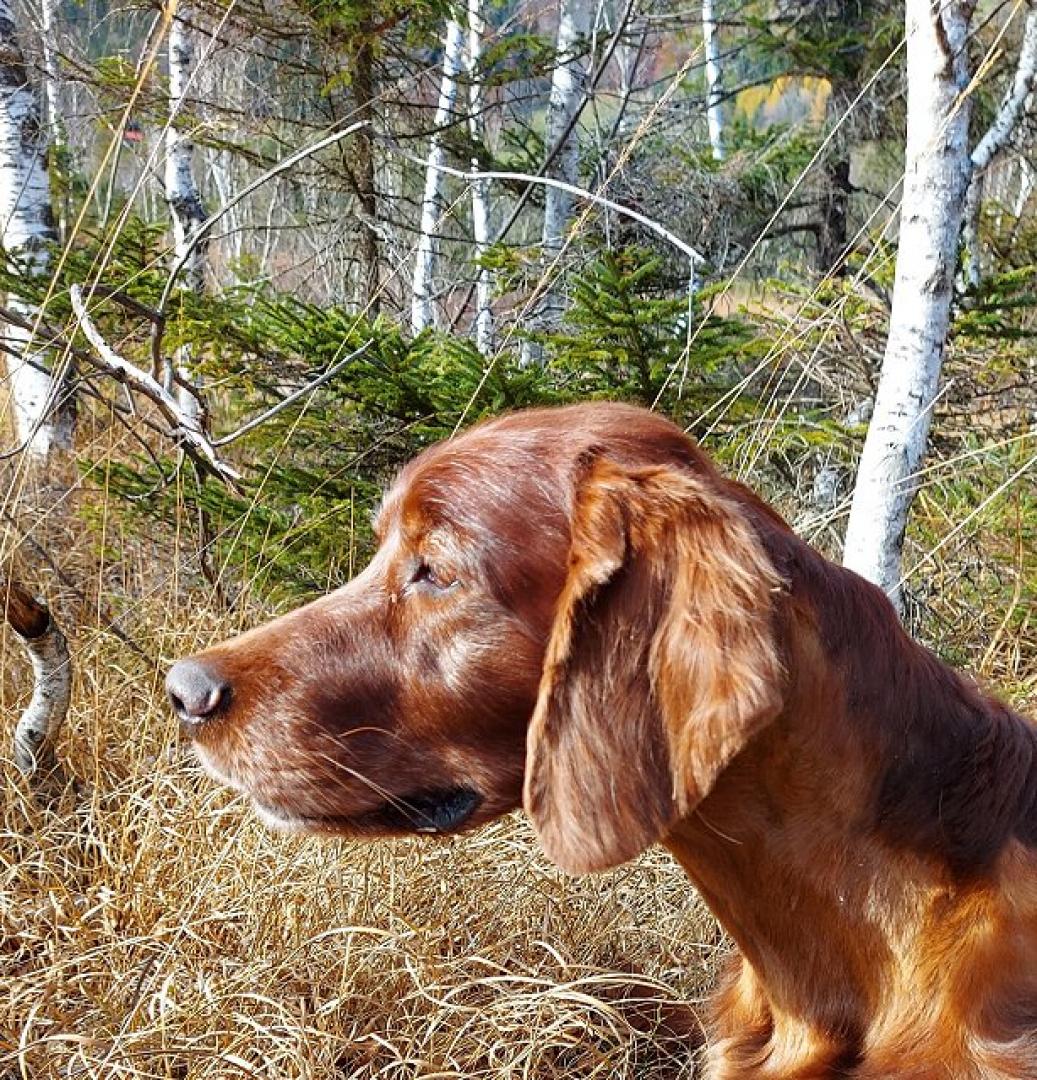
994,140
1004,124
293,397
194,439
581,193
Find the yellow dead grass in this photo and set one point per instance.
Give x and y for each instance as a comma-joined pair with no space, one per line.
150,927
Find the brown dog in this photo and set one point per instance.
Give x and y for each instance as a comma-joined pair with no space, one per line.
571,610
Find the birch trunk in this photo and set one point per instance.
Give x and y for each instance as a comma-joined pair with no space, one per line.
567,87
221,164
714,81
53,87
51,71
480,188
937,169
567,96
37,730
41,410
994,141
1026,184
182,194
423,313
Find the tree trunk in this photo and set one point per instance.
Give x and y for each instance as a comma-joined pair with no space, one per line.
567,86
221,164
182,194
36,732
567,96
833,232
423,313
994,141
363,88
41,408
714,81
57,138
937,169
51,71
1027,177
480,188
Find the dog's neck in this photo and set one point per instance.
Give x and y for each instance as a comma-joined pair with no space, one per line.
793,849
955,771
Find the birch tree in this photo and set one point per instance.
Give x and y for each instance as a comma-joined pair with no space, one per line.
480,188
51,70
37,729
58,144
182,194
995,139
41,410
714,81
1027,176
563,152
567,93
422,304
937,169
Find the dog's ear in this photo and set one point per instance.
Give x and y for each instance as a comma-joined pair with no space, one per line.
662,663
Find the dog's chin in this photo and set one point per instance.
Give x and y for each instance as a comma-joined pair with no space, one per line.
437,812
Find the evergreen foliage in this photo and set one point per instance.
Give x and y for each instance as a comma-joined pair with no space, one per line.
313,472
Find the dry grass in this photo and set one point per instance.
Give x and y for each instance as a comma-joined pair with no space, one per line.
150,927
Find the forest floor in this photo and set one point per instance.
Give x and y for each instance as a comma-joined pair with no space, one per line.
151,927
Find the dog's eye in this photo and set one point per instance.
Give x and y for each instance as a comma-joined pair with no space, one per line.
425,575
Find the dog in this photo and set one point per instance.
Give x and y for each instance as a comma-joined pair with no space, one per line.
573,611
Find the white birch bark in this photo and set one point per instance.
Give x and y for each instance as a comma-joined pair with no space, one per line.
1027,177
51,70
36,731
221,163
562,143
423,313
995,139
714,81
480,188
54,90
567,92
937,169
182,194
41,414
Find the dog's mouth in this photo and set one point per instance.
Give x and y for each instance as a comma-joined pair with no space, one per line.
431,812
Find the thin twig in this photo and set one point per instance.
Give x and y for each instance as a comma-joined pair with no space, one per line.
292,397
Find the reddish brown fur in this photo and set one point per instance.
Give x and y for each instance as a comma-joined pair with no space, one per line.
648,651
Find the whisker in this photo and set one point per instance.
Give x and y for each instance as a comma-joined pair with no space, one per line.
400,804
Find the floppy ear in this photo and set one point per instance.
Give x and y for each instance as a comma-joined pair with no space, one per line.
661,664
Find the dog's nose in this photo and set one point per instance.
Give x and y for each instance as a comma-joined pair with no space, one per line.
196,692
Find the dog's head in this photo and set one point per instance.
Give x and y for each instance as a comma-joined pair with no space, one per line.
567,607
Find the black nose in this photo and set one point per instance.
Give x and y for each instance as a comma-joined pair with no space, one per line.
196,692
